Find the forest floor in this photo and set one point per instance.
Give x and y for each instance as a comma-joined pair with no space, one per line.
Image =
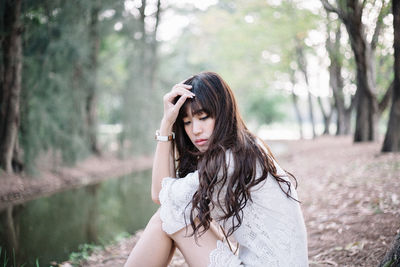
350,196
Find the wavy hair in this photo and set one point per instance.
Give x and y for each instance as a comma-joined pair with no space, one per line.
215,98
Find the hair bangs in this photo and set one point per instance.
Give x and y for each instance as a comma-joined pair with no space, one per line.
201,102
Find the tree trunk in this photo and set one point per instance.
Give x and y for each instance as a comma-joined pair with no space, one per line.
326,116
392,137
298,115
91,114
392,257
311,113
303,68
296,106
347,120
11,83
336,83
11,233
367,106
366,118
154,45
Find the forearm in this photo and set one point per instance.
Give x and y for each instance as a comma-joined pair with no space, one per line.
162,166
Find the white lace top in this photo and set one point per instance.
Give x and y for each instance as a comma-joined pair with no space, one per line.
272,232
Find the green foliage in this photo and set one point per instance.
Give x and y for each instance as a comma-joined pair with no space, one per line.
251,44
265,109
84,252
14,264
5,260
54,85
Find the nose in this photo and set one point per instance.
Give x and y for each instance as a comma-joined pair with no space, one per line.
196,127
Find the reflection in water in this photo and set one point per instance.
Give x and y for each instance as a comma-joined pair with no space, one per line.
49,229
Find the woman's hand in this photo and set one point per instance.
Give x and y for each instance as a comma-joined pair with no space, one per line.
171,110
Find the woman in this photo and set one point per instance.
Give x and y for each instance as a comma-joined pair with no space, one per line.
227,178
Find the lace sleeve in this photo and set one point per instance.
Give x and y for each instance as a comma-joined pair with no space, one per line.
175,198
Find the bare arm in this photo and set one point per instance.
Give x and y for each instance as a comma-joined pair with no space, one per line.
163,158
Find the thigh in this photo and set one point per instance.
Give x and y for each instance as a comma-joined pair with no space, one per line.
196,253
154,248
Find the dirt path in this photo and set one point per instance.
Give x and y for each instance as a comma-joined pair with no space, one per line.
350,197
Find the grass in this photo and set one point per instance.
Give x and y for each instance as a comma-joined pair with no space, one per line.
84,252
5,259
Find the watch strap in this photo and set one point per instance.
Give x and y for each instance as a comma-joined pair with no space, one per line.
164,138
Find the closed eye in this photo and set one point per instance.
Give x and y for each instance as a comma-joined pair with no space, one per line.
186,122
204,118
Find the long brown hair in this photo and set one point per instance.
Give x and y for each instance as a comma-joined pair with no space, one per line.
215,98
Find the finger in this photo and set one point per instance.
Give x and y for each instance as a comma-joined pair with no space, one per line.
182,85
182,91
180,102
177,92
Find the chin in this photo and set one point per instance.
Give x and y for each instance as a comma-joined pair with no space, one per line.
202,149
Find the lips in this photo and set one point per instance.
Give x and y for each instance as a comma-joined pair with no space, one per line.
201,142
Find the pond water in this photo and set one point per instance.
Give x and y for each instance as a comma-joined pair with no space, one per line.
50,228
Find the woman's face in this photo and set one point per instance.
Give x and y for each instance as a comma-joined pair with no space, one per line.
199,127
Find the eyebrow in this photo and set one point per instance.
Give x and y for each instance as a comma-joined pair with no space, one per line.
197,112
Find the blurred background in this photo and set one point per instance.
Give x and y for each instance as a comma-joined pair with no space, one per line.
84,79
92,73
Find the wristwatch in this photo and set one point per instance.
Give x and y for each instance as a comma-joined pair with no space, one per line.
164,138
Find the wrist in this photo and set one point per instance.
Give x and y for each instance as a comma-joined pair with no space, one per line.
165,127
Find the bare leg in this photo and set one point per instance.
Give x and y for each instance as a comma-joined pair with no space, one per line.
196,254
154,248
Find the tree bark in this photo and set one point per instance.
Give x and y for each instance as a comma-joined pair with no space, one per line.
296,107
11,83
91,112
367,106
11,232
392,137
303,68
154,45
336,83
392,257
326,115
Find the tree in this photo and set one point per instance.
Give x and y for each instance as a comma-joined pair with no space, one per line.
10,83
367,111
302,64
91,114
392,137
295,102
58,67
139,108
336,80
